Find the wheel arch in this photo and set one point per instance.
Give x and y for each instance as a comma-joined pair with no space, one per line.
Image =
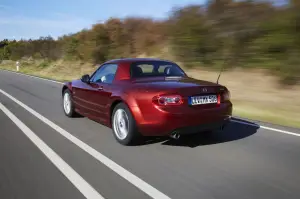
115,102
65,87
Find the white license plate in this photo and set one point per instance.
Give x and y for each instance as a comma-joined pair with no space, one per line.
208,99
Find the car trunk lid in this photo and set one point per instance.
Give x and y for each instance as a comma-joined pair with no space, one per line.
179,85
183,86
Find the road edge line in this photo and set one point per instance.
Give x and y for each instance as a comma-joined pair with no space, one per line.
264,127
32,76
267,128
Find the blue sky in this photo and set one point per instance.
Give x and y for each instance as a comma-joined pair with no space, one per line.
32,18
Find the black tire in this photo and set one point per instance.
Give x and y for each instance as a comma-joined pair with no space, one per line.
133,136
72,112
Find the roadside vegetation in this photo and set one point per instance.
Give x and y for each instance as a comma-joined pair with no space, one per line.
257,42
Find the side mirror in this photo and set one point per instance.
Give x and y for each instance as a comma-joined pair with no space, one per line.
85,79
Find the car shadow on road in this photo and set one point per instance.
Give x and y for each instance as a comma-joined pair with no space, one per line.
77,115
233,131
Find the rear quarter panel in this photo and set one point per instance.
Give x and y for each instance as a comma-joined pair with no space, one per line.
139,100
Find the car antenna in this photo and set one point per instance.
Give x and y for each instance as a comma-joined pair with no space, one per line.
221,72
223,67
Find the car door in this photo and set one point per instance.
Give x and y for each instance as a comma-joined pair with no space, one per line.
80,91
100,91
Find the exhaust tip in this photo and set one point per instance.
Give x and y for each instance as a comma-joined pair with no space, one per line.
175,135
223,127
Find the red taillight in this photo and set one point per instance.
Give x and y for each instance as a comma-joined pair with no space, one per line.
219,99
168,100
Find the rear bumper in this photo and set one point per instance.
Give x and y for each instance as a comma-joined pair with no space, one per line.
202,127
164,123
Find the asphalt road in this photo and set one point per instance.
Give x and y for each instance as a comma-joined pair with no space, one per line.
44,154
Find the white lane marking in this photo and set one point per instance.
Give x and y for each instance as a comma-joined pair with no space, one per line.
130,177
84,187
267,128
33,76
246,123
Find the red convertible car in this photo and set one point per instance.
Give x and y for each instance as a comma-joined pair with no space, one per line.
147,97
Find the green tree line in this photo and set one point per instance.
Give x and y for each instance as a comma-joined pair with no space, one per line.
248,34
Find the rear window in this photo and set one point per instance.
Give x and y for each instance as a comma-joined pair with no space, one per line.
155,69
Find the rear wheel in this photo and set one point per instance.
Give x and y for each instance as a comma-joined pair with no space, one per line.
124,126
68,105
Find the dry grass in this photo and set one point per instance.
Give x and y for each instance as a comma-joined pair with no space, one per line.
255,94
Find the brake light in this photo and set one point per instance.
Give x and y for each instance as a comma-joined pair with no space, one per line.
219,99
168,100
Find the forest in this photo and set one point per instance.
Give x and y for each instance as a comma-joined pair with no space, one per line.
245,34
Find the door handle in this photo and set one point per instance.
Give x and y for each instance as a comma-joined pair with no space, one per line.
100,88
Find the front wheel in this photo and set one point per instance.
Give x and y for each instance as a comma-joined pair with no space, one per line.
68,105
124,126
